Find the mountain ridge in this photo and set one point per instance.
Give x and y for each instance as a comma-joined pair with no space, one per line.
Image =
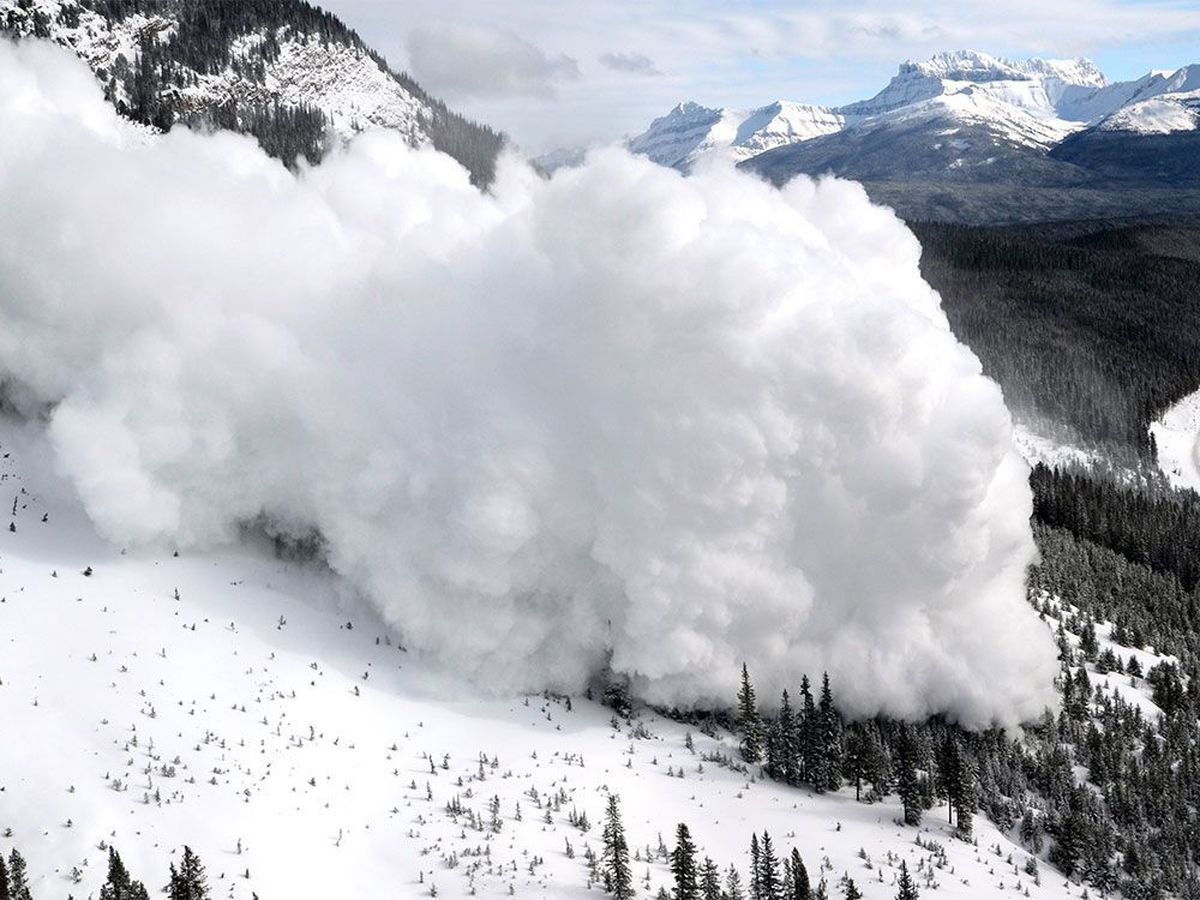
285,71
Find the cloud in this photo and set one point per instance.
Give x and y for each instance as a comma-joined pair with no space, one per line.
633,63
614,416
478,61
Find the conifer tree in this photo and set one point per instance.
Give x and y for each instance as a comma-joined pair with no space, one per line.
733,885
18,879
798,887
907,887
907,785
710,880
850,890
683,865
770,885
192,881
806,739
755,868
829,742
857,761
749,721
4,894
618,879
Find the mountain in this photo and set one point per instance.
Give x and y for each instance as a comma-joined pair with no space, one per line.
947,130
690,131
284,71
224,700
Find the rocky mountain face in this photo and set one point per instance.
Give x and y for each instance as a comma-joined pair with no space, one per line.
284,71
964,121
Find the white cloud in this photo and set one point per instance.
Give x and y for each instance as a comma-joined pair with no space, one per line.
478,61
683,421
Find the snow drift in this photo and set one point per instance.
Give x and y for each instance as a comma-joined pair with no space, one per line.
618,415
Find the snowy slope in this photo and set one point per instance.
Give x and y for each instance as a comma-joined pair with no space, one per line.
1177,436
340,79
1163,114
253,717
1024,105
690,131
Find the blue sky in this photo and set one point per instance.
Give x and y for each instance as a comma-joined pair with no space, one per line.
568,72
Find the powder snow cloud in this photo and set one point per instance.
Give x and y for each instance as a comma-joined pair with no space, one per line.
674,423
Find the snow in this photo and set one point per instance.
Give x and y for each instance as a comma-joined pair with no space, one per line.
1177,436
1039,448
691,131
1032,103
343,81
1160,115
261,710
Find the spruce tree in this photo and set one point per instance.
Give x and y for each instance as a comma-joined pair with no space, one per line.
683,865
807,743
907,785
964,792
798,887
710,880
829,741
192,879
858,756
769,883
850,890
4,894
119,885
907,887
18,878
755,868
618,879
733,885
749,721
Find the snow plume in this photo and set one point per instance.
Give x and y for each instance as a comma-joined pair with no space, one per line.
618,415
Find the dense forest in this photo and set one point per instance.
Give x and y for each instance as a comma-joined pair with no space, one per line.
1093,327
148,87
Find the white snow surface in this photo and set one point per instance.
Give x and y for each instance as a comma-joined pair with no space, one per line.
1163,114
1177,436
343,81
255,710
1032,103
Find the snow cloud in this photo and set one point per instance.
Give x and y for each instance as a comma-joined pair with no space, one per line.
617,415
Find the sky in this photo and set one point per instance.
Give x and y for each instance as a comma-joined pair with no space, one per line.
555,74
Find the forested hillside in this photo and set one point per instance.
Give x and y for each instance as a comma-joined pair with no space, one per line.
285,71
1093,327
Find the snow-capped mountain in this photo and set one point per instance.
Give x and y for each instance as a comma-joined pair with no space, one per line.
964,116
690,131
290,74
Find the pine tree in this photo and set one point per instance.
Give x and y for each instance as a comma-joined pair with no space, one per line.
806,739
963,799
119,885
4,894
850,890
798,887
907,887
769,883
192,883
749,721
733,885
18,879
710,880
618,880
906,776
755,868
683,865
829,741
859,757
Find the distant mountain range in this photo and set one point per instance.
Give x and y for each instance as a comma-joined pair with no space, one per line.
945,134
285,71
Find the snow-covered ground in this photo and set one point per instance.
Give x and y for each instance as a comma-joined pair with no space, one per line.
229,700
1039,448
1177,435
